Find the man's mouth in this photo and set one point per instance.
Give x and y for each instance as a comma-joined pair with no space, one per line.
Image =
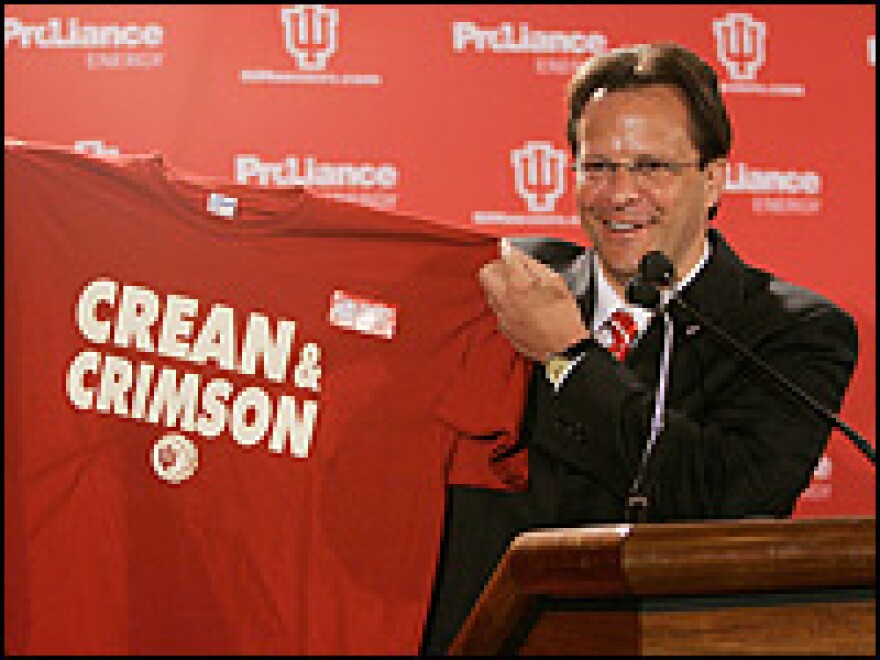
622,227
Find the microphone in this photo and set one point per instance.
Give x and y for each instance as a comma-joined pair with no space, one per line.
639,292
656,270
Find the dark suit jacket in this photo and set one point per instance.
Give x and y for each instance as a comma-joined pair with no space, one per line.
734,445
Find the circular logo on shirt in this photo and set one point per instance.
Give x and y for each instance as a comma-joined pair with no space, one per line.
175,458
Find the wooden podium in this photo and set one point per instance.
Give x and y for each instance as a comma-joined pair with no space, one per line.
755,586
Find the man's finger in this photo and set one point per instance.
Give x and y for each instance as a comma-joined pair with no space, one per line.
516,272
537,271
493,301
490,276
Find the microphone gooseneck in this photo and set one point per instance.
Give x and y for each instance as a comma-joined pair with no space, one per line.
656,270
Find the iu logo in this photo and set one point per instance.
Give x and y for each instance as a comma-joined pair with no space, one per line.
740,41
310,34
539,171
175,458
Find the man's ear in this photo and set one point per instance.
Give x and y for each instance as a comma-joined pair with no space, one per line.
716,174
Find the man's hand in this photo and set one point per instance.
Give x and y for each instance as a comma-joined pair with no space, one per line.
535,309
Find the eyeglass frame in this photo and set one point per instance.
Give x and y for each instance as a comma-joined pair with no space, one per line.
673,168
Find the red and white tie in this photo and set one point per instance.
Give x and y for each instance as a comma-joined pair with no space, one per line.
622,328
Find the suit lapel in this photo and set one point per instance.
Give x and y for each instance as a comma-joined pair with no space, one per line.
717,289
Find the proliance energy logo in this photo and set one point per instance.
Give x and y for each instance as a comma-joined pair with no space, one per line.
741,45
522,38
539,180
370,184
310,35
776,191
109,45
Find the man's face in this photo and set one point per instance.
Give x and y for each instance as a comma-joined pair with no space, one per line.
627,215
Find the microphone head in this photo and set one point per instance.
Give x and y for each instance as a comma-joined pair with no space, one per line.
656,268
643,294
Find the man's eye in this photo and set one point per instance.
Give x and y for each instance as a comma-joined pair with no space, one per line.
597,167
652,166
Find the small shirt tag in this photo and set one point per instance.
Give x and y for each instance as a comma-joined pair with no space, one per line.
221,205
363,315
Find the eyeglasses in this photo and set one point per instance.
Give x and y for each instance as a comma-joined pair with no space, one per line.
649,172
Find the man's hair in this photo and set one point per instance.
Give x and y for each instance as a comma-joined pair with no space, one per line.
666,64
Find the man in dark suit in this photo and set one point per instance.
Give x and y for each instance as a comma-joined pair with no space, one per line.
650,134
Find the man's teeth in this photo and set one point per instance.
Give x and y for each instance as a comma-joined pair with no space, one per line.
620,226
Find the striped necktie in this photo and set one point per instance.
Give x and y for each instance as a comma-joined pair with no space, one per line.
619,330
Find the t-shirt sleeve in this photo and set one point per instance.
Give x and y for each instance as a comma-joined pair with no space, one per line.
483,407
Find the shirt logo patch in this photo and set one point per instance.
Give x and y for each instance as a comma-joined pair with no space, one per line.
363,315
175,458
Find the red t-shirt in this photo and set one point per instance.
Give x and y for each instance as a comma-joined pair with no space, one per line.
231,412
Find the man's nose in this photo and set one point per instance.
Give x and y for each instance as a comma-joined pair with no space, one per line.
623,183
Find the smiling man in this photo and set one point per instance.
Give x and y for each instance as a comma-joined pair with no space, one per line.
643,183
649,134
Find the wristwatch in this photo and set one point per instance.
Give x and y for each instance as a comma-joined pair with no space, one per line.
558,363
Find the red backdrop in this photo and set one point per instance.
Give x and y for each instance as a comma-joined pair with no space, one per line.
457,113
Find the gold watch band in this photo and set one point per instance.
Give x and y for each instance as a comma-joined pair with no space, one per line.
555,367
